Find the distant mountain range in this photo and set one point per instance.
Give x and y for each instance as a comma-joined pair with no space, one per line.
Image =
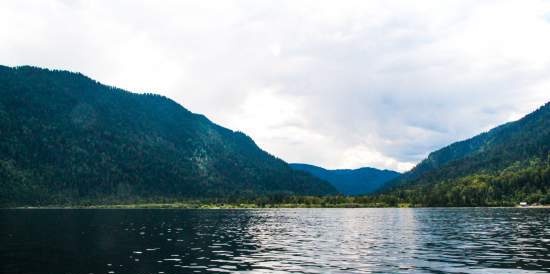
506,165
65,138
351,181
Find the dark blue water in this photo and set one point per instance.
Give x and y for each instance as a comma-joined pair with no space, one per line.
480,240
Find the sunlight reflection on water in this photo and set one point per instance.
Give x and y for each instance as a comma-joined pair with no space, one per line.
468,240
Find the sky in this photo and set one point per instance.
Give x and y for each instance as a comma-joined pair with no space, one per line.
340,84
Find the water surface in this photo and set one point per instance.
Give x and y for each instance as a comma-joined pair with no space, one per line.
465,240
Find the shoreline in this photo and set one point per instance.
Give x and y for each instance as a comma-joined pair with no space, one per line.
534,206
200,206
248,206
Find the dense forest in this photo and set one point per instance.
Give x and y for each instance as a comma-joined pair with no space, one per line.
65,138
359,181
507,165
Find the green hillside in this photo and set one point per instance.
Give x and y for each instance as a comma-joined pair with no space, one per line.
359,181
508,164
65,138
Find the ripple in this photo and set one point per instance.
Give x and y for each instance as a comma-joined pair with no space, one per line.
469,240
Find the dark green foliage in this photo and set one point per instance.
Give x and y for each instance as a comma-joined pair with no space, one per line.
351,181
506,165
65,138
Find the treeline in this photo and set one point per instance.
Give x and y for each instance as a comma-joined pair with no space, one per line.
504,166
261,201
529,183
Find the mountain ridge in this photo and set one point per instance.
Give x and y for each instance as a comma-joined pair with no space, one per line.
504,165
358,181
67,138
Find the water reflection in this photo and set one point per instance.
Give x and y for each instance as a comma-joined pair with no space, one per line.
275,241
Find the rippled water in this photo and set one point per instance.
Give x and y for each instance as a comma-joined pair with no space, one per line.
469,240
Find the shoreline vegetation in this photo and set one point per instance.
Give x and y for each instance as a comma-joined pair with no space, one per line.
247,206
206,206
261,203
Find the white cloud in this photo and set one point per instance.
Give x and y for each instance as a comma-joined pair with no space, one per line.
338,84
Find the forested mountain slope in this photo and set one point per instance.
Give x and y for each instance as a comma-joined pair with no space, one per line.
508,164
364,180
65,138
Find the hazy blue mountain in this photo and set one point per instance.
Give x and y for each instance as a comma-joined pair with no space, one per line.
351,181
66,138
504,165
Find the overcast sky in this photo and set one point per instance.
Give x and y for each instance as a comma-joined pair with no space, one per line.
340,84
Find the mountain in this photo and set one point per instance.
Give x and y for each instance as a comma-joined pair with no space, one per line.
65,138
351,181
506,165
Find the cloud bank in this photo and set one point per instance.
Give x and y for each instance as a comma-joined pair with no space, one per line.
332,83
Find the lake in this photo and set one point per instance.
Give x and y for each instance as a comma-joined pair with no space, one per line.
456,240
